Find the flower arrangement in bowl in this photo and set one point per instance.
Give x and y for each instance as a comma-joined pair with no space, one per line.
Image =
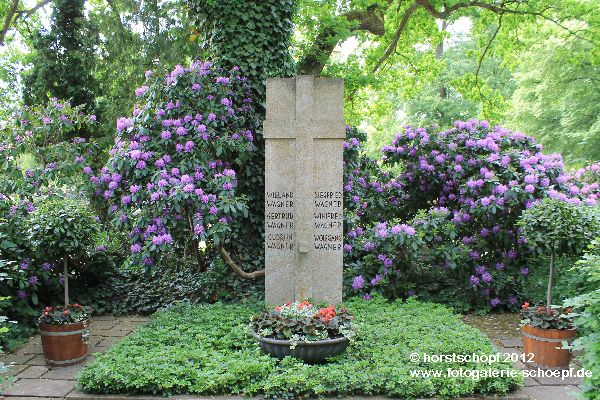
303,330
540,317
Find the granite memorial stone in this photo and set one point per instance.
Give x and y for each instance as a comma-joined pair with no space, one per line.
304,132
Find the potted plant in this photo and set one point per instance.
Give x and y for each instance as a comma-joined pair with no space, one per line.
63,229
554,228
304,331
544,331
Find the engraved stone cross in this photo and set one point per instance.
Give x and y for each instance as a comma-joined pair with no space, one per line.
304,131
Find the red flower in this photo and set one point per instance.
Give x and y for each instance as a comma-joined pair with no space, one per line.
525,305
326,314
66,312
305,303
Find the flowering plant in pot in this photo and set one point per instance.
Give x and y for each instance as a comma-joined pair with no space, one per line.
554,228
63,229
303,330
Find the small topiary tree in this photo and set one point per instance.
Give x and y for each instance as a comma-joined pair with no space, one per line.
63,229
557,228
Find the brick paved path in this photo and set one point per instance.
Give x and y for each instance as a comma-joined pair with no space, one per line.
504,331
35,381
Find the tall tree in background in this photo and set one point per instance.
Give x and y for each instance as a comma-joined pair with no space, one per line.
558,97
136,37
65,58
395,56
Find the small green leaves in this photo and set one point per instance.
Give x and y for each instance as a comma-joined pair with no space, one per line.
208,350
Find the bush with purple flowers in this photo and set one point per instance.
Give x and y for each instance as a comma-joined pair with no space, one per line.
54,137
41,156
446,225
170,180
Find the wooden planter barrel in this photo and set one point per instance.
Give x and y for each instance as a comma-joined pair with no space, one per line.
545,345
64,345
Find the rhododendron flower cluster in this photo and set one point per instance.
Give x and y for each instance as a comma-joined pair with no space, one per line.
171,179
450,214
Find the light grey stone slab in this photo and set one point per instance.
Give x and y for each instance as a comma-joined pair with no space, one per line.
551,392
16,358
304,132
32,372
40,388
67,373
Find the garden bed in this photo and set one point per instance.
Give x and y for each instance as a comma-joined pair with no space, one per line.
208,350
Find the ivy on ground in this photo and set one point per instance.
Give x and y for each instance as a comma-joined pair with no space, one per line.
209,350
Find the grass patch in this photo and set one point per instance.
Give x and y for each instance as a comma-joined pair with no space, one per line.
208,350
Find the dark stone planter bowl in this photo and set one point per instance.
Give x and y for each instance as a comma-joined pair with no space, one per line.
310,352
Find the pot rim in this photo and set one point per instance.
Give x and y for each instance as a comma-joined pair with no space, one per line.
300,343
84,322
548,329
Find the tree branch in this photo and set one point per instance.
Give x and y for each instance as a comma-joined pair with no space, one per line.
446,12
12,12
369,20
31,11
236,269
7,21
392,46
482,57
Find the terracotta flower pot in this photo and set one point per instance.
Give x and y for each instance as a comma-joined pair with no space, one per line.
64,345
310,352
545,345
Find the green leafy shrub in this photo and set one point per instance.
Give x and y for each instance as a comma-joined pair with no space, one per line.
208,349
4,329
11,334
587,303
179,280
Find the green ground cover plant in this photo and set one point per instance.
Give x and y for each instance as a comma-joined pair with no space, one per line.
208,349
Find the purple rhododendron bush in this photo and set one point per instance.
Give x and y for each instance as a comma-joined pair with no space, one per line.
171,179
436,217
444,227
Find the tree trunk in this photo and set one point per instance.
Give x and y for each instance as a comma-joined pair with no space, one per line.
550,281
66,283
236,269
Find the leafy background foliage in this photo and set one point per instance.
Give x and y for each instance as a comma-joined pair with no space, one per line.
586,275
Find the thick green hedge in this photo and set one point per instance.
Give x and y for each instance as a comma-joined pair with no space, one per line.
208,350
